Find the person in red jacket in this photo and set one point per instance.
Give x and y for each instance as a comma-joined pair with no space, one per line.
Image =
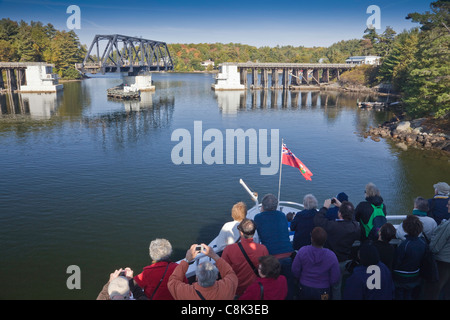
153,278
235,257
270,285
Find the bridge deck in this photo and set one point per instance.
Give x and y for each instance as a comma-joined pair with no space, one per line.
274,65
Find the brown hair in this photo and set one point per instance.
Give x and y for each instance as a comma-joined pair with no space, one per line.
412,225
387,232
318,236
269,266
347,209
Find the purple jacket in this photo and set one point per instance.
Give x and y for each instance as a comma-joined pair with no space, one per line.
316,267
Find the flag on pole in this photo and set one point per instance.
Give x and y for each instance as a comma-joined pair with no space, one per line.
290,159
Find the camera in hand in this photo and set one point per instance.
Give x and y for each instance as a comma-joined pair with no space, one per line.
198,248
333,200
122,274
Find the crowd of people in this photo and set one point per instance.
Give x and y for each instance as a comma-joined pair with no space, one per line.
256,259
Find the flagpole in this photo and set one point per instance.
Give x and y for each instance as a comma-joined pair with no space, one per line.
281,167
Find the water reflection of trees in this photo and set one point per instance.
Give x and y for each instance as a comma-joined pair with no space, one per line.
25,112
233,101
332,103
137,119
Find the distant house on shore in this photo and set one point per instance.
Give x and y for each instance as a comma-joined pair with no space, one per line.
207,63
374,60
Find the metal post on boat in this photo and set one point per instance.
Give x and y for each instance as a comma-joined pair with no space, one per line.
253,195
281,167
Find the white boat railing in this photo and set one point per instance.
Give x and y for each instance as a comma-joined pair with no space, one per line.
285,207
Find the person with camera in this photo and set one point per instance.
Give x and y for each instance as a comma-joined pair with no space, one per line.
207,286
121,286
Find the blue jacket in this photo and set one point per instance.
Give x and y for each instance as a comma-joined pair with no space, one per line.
356,287
408,259
438,208
303,224
272,228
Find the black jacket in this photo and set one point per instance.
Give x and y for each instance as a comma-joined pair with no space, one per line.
341,234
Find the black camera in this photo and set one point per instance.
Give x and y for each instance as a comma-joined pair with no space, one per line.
122,274
333,200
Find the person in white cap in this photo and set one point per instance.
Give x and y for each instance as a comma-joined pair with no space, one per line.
438,204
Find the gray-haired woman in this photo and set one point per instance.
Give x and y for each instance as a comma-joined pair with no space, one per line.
153,278
303,222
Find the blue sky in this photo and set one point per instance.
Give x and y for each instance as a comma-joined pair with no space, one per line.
258,23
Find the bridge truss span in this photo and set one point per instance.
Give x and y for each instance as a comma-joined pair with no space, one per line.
119,53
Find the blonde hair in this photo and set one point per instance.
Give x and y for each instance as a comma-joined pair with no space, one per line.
239,211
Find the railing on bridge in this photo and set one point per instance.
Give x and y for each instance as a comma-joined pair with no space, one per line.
125,54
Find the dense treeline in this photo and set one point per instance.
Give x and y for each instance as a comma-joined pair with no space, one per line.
20,41
416,61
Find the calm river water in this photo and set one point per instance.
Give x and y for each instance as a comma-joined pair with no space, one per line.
90,182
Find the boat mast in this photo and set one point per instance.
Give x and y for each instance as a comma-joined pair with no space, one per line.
281,166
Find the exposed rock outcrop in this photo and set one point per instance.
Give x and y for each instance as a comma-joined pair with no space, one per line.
411,133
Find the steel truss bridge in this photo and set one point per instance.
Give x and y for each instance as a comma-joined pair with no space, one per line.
119,53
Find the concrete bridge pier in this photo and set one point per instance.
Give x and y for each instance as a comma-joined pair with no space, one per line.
142,82
229,78
255,80
326,75
275,79
244,77
264,79
285,79
295,79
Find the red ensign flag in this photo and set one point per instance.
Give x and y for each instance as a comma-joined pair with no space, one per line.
290,159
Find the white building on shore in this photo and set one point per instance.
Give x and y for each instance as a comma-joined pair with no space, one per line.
373,60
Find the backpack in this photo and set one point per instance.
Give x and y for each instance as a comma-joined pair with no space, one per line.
376,220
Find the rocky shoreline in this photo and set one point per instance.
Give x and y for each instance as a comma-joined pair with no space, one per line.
421,133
